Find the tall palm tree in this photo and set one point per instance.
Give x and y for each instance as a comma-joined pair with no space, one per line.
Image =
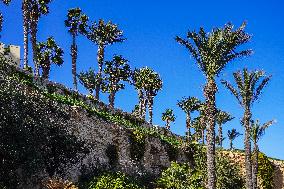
116,71
36,8
25,14
48,53
212,51
189,105
168,116
232,135
222,118
76,23
103,34
257,131
249,87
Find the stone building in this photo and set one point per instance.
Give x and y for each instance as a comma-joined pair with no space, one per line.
11,52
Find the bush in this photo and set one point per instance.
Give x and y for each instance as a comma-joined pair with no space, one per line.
113,181
265,172
180,176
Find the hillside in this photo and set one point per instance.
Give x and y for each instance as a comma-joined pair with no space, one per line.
48,131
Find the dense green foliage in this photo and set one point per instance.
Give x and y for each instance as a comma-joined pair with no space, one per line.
113,181
265,171
180,176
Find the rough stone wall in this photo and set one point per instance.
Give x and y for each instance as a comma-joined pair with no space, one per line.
239,158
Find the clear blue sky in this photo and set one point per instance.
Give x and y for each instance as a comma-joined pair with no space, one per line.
150,27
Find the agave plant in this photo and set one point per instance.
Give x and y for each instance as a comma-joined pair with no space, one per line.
249,87
212,52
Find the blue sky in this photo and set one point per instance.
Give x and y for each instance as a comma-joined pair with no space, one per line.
150,27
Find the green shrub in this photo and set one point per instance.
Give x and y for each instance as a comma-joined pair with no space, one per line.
265,171
180,176
113,181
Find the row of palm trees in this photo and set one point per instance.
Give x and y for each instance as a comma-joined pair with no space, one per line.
211,51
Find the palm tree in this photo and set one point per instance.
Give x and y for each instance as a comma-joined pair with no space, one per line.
153,84
48,53
199,127
138,78
222,118
36,8
89,80
257,131
103,34
116,71
168,116
212,51
6,2
25,13
189,105
249,87
148,83
232,135
76,23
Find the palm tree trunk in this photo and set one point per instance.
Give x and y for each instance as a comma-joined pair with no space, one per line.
140,96
26,32
168,125
74,52
220,133
209,93
188,125
150,105
100,58
34,30
202,136
246,122
255,166
231,144
111,98
46,70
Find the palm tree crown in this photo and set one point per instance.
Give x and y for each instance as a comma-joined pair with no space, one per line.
76,21
168,116
102,33
116,71
212,51
47,53
249,86
232,135
258,130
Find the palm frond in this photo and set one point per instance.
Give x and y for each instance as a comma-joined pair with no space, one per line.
233,90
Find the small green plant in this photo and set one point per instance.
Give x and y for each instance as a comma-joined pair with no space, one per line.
113,181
